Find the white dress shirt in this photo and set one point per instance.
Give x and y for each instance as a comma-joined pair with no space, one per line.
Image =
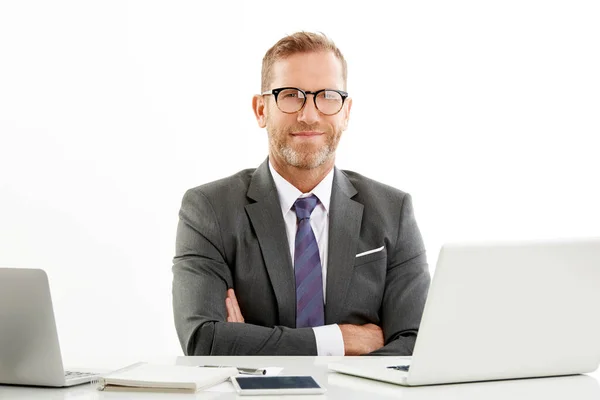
329,337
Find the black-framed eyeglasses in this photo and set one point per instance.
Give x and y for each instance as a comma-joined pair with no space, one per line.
291,100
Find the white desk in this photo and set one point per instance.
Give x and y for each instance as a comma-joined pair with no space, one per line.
582,387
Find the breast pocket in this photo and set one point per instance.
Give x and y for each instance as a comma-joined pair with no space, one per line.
367,287
371,256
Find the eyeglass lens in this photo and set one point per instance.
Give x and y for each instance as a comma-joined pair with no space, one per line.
292,100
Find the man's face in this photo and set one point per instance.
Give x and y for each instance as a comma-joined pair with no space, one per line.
306,139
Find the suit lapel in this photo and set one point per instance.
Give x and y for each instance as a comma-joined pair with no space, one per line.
345,216
267,220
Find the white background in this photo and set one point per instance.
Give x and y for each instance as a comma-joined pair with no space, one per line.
488,113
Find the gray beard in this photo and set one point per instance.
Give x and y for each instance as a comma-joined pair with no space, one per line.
303,160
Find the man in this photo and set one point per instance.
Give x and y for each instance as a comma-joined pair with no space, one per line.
298,257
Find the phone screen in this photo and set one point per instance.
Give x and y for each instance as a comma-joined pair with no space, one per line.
277,382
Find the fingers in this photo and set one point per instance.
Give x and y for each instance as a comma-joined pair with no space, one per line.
234,314
230,311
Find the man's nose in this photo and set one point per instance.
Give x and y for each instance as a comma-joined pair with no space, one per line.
309,113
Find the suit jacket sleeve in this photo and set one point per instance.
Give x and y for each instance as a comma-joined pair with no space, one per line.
201,277
407,284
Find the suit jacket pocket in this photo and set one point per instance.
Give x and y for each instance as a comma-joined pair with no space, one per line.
366,289
367,258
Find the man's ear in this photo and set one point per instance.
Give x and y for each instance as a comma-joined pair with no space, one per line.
348,106
258,106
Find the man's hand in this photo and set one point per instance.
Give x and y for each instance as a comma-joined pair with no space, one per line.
234,314
361,339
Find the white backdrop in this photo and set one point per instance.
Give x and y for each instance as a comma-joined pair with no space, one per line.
486,112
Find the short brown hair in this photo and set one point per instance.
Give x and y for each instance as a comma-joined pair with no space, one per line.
299,42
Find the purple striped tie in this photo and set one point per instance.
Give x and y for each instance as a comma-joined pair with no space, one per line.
307,268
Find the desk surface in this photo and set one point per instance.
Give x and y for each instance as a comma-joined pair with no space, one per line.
339,386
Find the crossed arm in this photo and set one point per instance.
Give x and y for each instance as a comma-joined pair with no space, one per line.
358,339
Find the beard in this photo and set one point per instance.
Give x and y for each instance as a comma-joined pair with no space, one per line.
303,155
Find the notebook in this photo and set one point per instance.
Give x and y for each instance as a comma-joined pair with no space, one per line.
164,378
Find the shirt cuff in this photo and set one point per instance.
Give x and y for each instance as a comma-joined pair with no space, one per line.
330,341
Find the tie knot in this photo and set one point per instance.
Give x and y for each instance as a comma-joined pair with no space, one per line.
304,206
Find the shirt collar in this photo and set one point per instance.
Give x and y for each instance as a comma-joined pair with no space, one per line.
288,193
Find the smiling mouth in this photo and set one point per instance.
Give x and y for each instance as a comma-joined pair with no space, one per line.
307,133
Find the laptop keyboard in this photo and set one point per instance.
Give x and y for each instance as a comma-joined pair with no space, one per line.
75,374
400,367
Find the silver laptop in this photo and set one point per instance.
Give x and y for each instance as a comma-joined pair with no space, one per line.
502,311
29,348
579,387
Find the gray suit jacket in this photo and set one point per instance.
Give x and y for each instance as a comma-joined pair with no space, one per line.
231,234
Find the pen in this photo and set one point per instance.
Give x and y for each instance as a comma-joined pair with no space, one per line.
242,370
